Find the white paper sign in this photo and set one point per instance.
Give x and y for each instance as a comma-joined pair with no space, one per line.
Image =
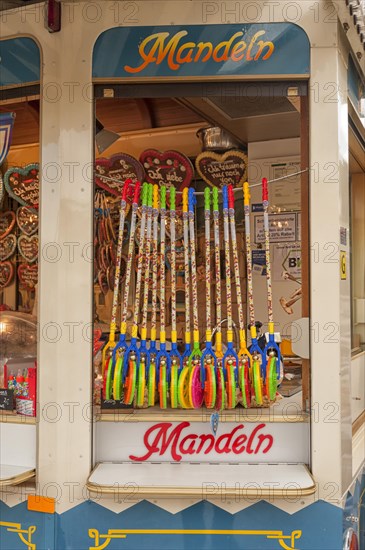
285,193
287,260
282,228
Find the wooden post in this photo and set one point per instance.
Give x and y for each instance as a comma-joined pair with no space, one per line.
304,163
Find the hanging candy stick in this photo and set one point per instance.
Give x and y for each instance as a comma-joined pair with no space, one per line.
122,343
243,353
187,351
255,350
118,350
109,230
163,359
218,284
196,385
175,356
131,356
220,387
208,360
271,351
151,367
111,342
183,387
144,353
230,359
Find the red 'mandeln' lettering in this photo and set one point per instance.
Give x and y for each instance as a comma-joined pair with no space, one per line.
161,442
164,437
227,438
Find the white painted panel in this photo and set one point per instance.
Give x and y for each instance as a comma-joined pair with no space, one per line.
118,441
357,386
18,445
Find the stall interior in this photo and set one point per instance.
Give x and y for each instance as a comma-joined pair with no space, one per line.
19,194
19,255
191,275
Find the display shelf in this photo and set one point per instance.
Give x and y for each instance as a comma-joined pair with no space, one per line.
14,475
285,410
14,418
195,479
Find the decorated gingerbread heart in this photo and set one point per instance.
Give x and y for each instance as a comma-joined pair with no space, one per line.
7,247
6,273
119,168
27,220
22,184
167,168
28,247
7,222
218,170
28,276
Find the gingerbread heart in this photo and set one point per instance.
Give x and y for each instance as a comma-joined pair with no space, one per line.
119,167
6,273
168,168
28,247
7,222
28,276
22,184
218,170
27,220
7,247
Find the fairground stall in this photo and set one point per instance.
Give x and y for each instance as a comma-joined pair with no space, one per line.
182,275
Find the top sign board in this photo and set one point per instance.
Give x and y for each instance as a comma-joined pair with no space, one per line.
202,50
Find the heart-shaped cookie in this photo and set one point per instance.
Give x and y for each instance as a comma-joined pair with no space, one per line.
22,184
6,273
7,222
218,170
7,247
27,220
168,168
28,247
28,276
119,167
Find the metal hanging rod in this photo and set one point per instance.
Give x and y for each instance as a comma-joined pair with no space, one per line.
236,189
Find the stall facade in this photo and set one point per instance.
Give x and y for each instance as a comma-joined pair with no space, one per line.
286,81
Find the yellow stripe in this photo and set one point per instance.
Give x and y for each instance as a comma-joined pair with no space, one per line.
201,532
196,336
143,334
187,337
153,334
134,331
174,336
162,336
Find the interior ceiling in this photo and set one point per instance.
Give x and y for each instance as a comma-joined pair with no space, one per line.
26,123
248,121
128,115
